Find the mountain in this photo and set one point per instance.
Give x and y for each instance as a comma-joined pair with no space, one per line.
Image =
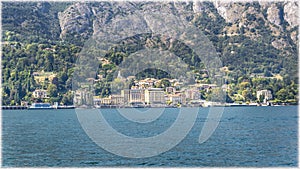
251,38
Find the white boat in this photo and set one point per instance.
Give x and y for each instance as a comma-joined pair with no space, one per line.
41,106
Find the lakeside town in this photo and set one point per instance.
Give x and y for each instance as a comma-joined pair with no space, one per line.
144,93
148,92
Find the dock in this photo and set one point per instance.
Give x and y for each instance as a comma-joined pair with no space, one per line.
14,107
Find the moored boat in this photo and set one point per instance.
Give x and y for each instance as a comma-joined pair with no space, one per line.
66,107
41,106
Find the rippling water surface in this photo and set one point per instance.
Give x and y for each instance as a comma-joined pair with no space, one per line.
245,137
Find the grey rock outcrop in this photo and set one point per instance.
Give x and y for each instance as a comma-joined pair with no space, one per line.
291,11
273,15
75,20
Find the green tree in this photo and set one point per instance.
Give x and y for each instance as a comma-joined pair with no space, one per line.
67,98
131,83
216,95
261,98
52,90
163,83
282,94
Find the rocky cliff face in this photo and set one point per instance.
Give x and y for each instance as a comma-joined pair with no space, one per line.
241,18
232,11
274,16
291,11
75,19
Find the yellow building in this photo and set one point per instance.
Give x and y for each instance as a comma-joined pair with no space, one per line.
113,100
97,100
106,101
126,95
41,77
117,100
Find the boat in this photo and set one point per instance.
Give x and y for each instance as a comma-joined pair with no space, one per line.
66,107
41,106
241,105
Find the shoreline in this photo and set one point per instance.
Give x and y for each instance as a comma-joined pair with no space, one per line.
126,107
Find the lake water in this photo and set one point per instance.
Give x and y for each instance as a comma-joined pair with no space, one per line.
245,137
